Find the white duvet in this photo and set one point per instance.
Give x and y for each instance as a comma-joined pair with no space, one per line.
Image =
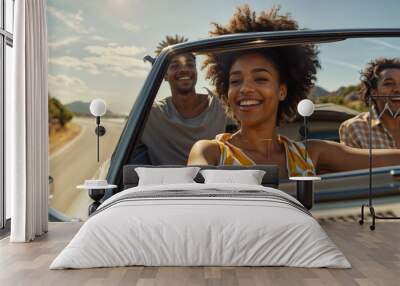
206,230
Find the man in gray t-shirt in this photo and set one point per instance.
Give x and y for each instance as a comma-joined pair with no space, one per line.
175,123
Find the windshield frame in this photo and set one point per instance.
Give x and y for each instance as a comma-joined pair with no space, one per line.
227,43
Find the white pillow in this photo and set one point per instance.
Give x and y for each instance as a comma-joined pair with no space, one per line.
248,177
163,176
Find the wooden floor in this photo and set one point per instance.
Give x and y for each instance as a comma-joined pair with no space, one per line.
375,256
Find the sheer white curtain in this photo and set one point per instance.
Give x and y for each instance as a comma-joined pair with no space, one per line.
27,124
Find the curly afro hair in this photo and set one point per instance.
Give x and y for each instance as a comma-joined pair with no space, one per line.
297,64
370,75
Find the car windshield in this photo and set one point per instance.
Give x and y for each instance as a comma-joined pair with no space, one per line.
193,104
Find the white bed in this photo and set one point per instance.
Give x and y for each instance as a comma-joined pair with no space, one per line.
203,225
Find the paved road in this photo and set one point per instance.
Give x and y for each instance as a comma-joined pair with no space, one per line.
76,162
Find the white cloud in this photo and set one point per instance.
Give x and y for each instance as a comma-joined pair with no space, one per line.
128,51
130,27
383,44
73,21
64,81
116,60
73,62
97,38
64,42
119,60
69,88
341,63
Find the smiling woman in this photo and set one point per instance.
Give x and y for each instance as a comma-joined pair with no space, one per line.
260,88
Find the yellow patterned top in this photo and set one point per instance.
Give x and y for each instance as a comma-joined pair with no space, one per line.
296,165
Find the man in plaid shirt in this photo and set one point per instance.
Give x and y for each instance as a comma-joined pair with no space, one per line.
380,78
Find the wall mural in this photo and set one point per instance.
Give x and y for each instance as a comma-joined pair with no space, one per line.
96,51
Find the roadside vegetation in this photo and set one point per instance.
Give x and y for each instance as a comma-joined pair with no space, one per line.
348,96
61,129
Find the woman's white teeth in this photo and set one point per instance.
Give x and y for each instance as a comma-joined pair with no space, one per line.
249,102
184,78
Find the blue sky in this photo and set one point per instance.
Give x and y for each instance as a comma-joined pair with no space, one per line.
96,46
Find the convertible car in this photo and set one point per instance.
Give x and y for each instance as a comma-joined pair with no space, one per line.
345,189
